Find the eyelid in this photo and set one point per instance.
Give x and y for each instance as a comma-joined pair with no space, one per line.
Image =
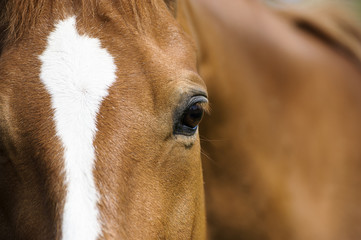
188,101
202,100
198,99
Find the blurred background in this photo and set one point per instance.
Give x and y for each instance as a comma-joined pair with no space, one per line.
281,147
354,4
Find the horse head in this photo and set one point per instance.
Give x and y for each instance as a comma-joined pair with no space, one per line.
100,103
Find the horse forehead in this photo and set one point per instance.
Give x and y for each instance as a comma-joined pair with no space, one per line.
153,58
77,72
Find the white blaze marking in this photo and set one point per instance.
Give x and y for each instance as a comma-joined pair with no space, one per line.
77,73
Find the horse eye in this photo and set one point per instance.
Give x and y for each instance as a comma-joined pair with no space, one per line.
193,115
187,121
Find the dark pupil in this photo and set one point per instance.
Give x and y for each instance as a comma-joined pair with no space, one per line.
193,116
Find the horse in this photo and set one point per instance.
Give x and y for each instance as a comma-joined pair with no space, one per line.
281,145
100,103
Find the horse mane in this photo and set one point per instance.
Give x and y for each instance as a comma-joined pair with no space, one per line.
18,16
333,22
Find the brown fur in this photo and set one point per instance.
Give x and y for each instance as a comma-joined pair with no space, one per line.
281,148
19,17
150,181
